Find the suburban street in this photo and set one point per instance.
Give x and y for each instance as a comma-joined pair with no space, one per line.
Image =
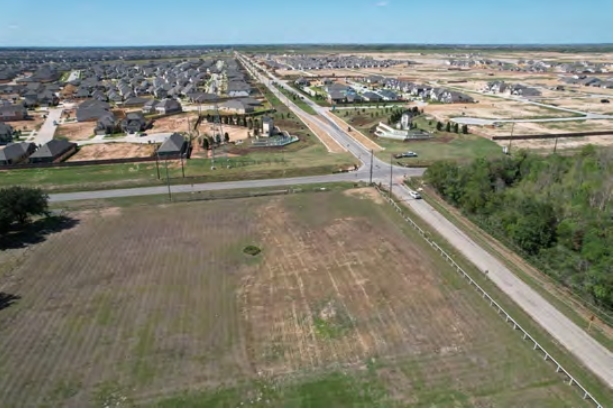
378,176
594,356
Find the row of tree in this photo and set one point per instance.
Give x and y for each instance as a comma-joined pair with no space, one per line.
455,128
556,211
18,204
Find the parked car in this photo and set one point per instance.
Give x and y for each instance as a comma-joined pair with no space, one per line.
406,155
143,134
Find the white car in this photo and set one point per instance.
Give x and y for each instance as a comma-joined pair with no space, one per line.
414,194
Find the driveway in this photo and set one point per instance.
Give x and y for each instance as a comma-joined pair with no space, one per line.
45,134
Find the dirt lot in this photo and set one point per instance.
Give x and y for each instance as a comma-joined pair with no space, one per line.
133,305
112,151
593,105
76,131
490,108
173,123
236,133
29,124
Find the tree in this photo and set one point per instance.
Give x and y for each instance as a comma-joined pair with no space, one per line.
218,138
250,123
464,129
448,127
205,143
455,128
226,137
18,203
439,126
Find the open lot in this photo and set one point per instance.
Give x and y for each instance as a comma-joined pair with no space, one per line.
32,124
76,131
236,133
593,105
112,151
174,123
158,305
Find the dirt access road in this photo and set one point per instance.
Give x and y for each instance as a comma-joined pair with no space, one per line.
594,356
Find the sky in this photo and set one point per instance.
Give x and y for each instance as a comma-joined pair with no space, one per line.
194,22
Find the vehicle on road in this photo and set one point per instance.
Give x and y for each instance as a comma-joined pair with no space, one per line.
143,134
414,194
408,154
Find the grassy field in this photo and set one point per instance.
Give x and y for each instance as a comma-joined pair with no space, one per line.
298,101
344,306
443,145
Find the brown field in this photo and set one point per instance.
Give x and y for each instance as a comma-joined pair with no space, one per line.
112,151
76,131
592,105
236,133
29,124
139,304
173,123
530,128
562,144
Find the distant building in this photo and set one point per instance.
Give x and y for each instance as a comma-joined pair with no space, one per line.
175,145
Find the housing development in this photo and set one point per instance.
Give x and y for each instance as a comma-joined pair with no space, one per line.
306,225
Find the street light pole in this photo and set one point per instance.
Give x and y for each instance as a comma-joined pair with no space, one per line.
555,143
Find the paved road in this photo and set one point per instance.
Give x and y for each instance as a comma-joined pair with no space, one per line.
381,175
596,357
45,134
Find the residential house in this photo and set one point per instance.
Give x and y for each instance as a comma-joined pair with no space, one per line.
150,106
6,133
135,102
389,95
16,152
55,150
175,145
106,124
371,96
168,106
92,110
302,82
236,106
133,123
13,112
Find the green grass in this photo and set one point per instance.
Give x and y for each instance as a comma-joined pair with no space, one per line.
298,101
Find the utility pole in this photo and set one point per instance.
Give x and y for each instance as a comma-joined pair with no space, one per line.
391,174
168,183
157,169
510,138
371,161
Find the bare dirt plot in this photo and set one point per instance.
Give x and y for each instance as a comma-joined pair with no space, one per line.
76,131
593,105
141,303
236,133
493,108
327,140
174,123
113,151
34,123
561,144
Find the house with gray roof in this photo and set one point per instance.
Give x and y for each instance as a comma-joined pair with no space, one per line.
168,106
53,151
13,112
6,133
174,146
133,123
16,152
92,110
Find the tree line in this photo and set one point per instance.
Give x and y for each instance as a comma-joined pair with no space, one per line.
555,210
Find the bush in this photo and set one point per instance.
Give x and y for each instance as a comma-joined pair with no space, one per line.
252,250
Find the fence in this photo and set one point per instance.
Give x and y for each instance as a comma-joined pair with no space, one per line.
500,310
551,136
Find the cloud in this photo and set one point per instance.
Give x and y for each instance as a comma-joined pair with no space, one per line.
382,3
13,27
